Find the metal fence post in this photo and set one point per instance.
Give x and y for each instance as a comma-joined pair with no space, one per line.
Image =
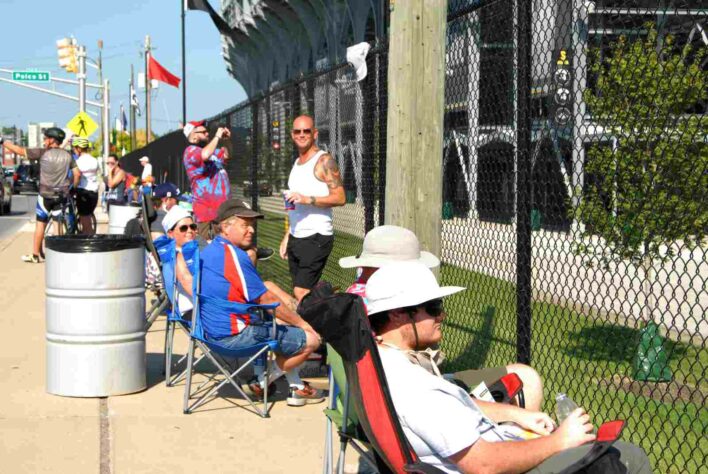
254,162
368,155
523,182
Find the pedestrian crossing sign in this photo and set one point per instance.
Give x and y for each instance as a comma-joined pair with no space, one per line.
82,125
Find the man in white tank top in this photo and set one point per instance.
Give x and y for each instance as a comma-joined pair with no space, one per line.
315,187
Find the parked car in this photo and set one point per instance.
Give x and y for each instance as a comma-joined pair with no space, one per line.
26,179
5,197
264,189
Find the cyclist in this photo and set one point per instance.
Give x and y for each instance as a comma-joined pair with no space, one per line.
54,182
87,192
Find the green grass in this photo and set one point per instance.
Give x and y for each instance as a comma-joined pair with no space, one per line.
574,353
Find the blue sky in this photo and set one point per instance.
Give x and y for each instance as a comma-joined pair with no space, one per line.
28,40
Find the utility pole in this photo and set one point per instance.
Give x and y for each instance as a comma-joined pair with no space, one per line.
104,124
81,76
416,78
184,71
147,90
132,109
105,118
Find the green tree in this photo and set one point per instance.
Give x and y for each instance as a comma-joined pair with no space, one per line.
650,189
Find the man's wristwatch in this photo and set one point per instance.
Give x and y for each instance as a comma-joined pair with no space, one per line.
312,200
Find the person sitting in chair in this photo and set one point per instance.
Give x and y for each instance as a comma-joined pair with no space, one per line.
228,273
443,424
390,243
179,225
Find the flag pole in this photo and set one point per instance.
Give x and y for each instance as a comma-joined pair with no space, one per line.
184,69
147,90
132,109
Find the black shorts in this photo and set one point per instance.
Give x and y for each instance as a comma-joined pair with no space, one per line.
46,206
86,202
307,258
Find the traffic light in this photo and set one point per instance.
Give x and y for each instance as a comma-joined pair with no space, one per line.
275,135
66,50
562,100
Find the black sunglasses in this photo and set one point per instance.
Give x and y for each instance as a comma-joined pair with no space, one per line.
433,307
298,131
183,228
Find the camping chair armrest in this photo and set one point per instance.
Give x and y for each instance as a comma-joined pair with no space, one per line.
607,434
507,388
421,468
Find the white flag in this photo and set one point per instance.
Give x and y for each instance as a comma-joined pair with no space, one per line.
134,99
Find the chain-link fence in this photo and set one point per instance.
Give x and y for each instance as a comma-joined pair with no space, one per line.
575,199
350,117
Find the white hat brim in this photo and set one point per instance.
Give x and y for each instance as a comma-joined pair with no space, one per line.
377,261
402,301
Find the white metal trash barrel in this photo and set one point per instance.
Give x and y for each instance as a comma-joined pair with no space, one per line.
119,215
95,315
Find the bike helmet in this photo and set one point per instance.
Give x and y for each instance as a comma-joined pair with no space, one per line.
80,142
55,133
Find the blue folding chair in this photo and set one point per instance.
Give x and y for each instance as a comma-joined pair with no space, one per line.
175,316
217,353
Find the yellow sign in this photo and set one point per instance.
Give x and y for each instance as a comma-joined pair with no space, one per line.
82,125
563,58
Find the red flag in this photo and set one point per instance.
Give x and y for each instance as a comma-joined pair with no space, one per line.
156,71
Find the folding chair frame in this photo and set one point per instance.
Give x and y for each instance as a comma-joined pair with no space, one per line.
216,354
162,301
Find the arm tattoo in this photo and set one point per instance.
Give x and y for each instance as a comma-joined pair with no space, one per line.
331,172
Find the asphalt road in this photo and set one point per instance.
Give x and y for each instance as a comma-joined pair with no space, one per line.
22,212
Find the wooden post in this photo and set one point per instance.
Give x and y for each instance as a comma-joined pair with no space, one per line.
416,86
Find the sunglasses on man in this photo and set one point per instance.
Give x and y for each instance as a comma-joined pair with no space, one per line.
433,307
302,131
183,228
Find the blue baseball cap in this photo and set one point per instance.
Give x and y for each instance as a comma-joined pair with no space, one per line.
166,190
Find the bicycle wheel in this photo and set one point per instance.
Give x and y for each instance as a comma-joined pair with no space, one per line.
81,230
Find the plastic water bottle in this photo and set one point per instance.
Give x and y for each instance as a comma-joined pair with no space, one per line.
564,407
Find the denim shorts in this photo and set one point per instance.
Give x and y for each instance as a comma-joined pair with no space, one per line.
291,340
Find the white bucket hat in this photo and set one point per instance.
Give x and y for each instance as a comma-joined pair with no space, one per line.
386,244
173,216
402,284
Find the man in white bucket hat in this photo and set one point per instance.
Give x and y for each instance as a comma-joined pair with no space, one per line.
389,243
442,423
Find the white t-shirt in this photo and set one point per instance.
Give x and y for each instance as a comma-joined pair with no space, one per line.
88,165
184,301
438,418
147,171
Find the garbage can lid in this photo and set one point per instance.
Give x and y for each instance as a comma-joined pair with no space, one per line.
93,243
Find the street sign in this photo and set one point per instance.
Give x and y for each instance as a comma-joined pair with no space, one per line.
82,125
31,76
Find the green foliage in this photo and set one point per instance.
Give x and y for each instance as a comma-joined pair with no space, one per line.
652,188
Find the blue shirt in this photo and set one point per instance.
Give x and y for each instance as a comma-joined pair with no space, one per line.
228,274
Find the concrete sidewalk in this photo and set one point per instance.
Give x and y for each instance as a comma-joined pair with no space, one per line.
143,432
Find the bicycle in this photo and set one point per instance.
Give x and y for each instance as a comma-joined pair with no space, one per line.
64,219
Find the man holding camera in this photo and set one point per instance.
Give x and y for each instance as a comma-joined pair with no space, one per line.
204,163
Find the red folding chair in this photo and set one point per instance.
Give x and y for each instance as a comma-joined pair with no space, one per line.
341,319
